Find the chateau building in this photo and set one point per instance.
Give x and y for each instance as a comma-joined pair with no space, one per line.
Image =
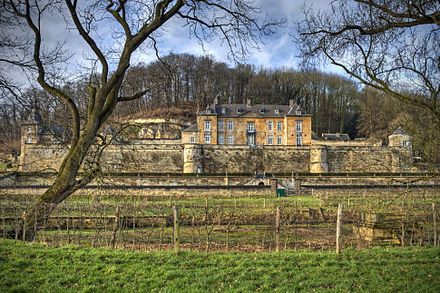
237,138
247,124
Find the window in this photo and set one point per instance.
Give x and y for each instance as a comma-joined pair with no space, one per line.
299,139
221,125
221,139
298,112
223,110
251,139
279,125
207,125
404,144
299,124
29,130
277,111
270,139
208,111
279,139
29,139
230,125
207,138
230,139
251,127
192,139
270,125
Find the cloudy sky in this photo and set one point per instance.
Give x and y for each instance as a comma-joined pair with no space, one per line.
277,51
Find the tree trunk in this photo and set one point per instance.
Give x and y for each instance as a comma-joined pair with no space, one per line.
63,186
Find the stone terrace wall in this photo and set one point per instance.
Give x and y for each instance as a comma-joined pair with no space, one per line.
245,159
368,159
158,158
169,158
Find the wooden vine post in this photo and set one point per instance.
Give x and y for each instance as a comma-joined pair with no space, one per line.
339,229
176,230
277,229
434,216
115,228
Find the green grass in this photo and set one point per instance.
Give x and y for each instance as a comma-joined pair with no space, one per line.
36,268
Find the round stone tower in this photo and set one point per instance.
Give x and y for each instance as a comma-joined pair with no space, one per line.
318,159
192,158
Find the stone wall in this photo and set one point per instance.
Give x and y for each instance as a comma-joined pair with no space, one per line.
368,159
160,158
192,158
246,159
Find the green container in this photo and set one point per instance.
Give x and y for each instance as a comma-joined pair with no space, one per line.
281,192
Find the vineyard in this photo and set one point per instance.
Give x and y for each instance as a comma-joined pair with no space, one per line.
399,217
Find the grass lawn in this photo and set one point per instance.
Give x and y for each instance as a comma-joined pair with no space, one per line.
35,267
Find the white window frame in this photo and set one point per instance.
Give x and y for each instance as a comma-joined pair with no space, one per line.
299,139
249,138
404,143
270,139
269,125
279,139
221,138
299,127
279,125
251,126
221,125
230,139
207,138
29,139
298,112
192,139
277,111
230,125
207,125
29,130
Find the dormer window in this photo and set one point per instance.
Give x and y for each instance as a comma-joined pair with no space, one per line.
298,112
208,111
262,111
277,111
239,111
223,110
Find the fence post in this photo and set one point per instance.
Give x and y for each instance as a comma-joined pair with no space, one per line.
339,229
176,229
4,222
277,229
434,224
115,227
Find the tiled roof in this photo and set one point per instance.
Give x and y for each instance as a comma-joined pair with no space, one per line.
243,110
336,136
34,116
192,128
400,131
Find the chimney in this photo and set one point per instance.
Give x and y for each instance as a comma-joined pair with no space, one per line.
248,102
291,103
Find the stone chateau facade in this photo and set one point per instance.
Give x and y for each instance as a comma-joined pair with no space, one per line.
237,138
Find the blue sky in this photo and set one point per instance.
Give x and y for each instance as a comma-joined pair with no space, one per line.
277,51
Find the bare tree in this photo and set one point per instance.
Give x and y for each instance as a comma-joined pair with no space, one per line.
390,45
134,24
